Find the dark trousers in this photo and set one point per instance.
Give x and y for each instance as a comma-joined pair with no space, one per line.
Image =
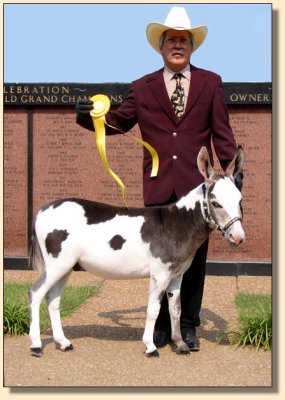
192,289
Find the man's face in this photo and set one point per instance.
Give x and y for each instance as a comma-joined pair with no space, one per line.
176,49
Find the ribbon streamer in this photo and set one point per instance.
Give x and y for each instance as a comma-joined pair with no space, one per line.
101,105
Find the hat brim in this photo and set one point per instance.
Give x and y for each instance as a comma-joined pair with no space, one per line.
154,31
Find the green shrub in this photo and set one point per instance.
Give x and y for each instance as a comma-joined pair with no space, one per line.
16,320
254,321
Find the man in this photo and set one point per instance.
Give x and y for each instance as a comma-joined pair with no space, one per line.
177,115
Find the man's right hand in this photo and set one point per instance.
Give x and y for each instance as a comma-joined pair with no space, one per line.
83,108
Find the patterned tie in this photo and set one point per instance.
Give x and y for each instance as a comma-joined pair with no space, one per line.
178,96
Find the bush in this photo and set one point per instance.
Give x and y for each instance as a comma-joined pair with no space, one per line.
16,318
254,321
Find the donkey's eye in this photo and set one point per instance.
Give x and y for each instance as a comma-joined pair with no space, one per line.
216,204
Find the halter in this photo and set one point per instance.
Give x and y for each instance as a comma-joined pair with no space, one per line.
210,219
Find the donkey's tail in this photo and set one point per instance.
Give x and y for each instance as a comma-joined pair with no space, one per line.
36,260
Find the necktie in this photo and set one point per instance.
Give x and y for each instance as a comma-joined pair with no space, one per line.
178,97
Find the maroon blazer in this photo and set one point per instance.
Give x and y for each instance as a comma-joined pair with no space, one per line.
177,141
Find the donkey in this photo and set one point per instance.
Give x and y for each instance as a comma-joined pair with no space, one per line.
126,243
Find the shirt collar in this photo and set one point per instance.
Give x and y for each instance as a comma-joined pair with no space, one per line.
168,73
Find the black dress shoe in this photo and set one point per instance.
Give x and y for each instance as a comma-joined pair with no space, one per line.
190,338
161,338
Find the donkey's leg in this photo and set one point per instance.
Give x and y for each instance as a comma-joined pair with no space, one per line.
174,304
156,291
53,297
36,294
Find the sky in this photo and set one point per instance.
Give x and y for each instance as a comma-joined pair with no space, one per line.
95,43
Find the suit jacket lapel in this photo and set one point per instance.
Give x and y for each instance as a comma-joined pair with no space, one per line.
197,84
157,87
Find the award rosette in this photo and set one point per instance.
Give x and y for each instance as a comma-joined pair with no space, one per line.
101,105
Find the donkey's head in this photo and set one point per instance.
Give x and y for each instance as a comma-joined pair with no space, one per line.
222,199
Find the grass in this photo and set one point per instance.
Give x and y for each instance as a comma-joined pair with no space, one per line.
254,321
16,318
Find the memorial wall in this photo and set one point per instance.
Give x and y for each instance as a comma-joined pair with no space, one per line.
48,156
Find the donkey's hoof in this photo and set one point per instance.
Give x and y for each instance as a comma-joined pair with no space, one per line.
36,351
68,348
154,353
183,351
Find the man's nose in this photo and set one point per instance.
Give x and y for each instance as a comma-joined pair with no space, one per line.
178,43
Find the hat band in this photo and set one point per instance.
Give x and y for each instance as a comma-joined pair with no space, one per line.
180,27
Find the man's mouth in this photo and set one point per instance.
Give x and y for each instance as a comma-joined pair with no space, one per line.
177,53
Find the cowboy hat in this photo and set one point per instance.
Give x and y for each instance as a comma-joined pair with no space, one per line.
178,19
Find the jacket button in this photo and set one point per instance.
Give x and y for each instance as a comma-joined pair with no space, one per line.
174,134
174,157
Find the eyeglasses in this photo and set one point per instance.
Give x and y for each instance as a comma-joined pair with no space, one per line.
183,41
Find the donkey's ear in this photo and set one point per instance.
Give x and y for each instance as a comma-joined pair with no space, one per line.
204,164
236,165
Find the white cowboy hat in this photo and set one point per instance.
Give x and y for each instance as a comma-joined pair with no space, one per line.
177,18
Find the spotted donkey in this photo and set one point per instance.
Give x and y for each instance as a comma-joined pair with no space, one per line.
126,243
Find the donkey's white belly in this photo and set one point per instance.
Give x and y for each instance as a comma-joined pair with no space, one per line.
111,270
114,249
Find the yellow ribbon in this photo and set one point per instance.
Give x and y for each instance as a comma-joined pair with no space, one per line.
101,105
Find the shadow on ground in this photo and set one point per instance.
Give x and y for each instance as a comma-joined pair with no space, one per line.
120,326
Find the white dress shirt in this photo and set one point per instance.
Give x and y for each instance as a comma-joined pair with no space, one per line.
170,83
